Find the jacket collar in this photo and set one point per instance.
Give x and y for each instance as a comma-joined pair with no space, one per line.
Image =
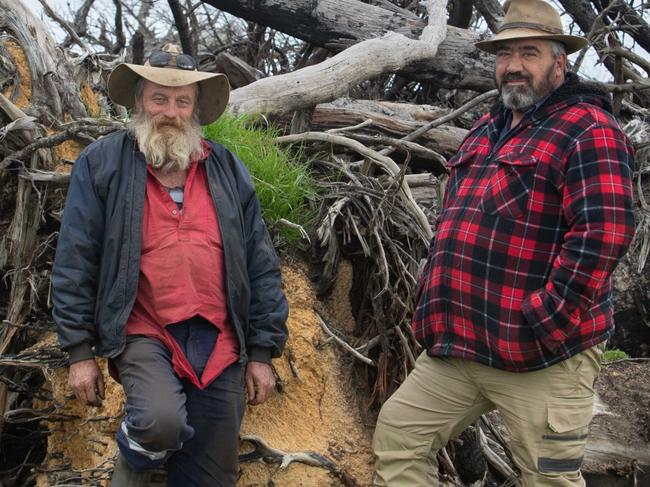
574,90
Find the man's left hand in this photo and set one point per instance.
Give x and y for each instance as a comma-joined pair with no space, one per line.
260,382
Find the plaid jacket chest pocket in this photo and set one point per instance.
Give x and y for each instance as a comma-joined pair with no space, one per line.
460,171
509,186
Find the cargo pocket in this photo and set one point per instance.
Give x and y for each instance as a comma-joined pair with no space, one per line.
509,187
563,445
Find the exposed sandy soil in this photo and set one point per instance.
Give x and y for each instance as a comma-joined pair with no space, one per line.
317,411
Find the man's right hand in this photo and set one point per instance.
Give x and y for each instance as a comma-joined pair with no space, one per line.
87,382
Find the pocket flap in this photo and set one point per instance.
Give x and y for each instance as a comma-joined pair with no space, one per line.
570,414
516,159
462,157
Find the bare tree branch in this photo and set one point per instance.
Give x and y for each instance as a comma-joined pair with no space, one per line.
80,22
491,11
66,26
120,39
182,27
460,14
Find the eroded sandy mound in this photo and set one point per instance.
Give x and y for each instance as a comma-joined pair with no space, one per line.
317,411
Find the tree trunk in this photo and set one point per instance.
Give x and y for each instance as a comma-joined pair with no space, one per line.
48,87
335,76
344,113
339,24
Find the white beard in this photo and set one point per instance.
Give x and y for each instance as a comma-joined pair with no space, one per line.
168,145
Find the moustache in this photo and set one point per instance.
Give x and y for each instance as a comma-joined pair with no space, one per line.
160,121
515,77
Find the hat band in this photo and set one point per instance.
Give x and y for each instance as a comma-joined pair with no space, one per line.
531,25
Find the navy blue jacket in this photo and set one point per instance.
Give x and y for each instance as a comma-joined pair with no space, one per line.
97,262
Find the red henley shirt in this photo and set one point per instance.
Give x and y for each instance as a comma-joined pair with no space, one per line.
182,272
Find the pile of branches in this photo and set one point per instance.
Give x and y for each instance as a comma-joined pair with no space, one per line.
370,224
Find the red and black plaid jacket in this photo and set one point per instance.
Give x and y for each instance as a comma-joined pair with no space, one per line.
518,273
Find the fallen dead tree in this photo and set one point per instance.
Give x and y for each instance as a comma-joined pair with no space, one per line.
339,24
334,77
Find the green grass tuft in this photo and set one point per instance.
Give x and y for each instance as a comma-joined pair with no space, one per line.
614,354
283,184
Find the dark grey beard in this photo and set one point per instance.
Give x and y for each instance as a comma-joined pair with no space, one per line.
519,99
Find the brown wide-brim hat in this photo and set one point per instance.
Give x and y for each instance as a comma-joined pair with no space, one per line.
532,19
214,89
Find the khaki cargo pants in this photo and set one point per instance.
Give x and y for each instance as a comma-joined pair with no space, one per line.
546,412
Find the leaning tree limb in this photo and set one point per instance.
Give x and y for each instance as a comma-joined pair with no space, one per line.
640,61
180,19
433,156
73,132
65,25
263,451
80,24
491,11
334,77
339,24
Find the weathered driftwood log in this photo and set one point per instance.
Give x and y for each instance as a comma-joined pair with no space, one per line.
346,112
334,77
338,24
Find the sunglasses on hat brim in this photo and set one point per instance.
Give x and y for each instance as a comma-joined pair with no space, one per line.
162,59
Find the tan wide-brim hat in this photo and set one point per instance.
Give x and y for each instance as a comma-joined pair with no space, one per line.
214,87
532,19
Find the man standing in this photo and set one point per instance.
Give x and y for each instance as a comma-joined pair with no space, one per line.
514,302
164,265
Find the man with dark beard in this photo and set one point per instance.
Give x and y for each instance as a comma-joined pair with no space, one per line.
164,265
514,302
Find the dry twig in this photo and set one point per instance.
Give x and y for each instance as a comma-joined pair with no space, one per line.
263,451
342,342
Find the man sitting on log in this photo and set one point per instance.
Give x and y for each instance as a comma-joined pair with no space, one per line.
164,265
514,303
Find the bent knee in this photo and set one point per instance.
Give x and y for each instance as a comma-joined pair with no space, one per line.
162,430
391,413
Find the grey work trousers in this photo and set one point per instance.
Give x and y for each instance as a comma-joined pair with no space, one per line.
195,432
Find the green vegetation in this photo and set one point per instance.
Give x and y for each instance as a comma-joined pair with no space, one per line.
614,354
284,186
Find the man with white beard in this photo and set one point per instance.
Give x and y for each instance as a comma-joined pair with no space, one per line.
165,267
515,300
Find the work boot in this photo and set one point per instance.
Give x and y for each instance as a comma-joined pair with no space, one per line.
124,475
